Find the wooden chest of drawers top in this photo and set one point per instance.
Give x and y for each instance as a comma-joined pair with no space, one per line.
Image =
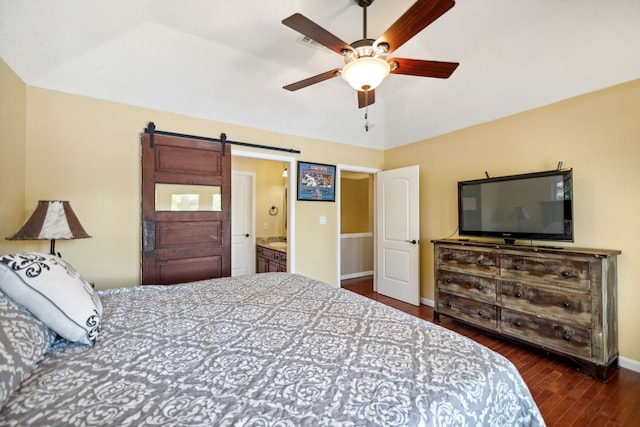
570,267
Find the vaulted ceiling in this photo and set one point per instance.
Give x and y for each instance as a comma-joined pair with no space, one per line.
228,60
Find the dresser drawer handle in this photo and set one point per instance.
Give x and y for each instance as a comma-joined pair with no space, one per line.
566,305
518,324
517,267
449,257
518,295
566,337
481,261
479,287
565,274
481,314
448,304
448,280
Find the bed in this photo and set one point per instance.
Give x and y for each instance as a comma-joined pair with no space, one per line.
272,349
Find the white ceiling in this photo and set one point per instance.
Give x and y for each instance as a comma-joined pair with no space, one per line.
228,60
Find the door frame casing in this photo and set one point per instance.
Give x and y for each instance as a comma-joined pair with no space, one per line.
291,183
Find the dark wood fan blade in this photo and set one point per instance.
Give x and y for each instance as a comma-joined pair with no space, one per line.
366,98
308,28
312,80
414,20
417,67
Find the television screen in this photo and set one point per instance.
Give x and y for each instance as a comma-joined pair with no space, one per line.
534,206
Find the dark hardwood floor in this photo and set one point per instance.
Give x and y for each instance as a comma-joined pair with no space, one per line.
565,395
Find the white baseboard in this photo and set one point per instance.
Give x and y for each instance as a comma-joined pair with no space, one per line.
425,301
355,275
630,364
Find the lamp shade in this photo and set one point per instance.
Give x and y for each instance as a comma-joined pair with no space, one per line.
52,220
365,73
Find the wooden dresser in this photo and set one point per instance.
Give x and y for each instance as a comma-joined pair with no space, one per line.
563,300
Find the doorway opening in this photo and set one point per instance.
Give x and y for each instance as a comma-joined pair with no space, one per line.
356,249
271,210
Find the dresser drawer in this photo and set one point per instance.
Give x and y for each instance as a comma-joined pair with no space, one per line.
477,287
474,311
469,260
568,272
570,307
275,256
269,254
547,333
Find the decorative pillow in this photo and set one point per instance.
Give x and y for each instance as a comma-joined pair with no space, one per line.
53,292
23,341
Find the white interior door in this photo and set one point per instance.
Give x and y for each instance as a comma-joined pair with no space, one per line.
243,252
398,234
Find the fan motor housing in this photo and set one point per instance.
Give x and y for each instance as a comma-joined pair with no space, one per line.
365,48
363,3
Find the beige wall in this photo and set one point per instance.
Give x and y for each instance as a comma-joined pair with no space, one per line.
87,151
598,135
355,205
13,96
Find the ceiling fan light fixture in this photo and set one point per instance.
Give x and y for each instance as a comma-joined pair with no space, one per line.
365,73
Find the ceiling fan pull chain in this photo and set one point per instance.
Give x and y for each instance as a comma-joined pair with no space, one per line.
366,116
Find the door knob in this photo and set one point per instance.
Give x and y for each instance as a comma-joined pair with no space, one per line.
413,242
246,235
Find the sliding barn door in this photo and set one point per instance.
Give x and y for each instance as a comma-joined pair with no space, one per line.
186,202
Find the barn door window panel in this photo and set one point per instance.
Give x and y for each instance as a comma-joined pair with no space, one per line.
188,198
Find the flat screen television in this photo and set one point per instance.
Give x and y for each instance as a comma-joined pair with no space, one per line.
532,206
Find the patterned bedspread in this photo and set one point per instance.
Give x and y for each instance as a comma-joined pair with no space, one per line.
272,349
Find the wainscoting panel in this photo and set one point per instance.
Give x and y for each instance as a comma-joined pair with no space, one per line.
356,251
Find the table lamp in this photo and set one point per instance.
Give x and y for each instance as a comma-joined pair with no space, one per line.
52,219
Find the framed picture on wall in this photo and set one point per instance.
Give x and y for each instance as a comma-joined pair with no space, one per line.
316,182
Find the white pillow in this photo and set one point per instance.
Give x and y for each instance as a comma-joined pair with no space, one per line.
53,292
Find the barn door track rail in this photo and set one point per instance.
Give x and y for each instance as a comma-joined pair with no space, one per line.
151,130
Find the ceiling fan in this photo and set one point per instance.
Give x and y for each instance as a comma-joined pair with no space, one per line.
366,61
